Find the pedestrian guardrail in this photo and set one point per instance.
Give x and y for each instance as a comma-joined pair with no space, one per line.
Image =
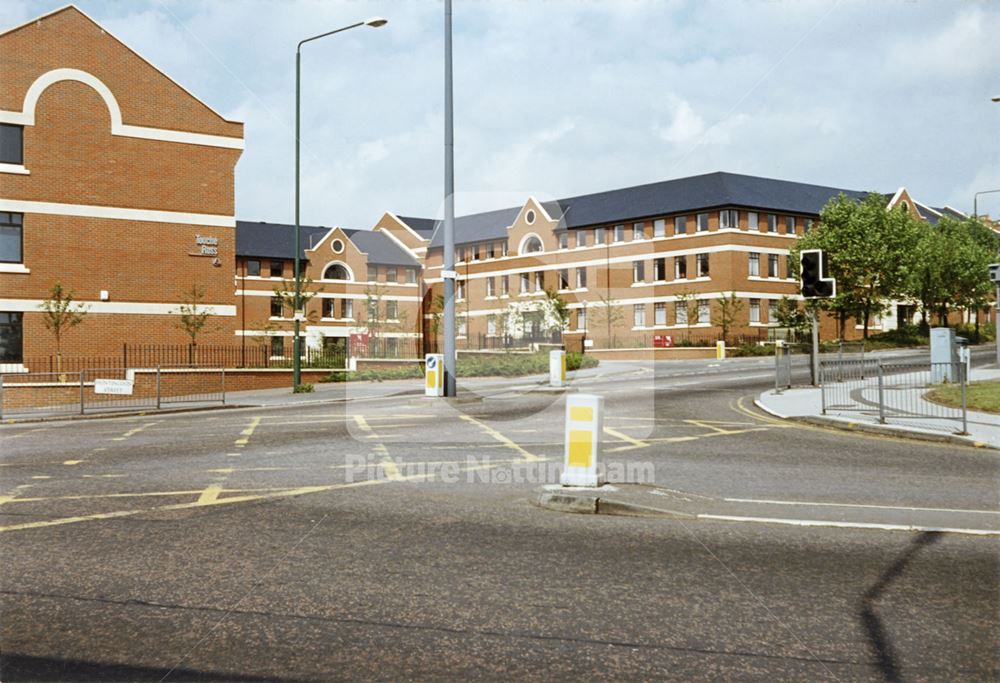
893,391
94,390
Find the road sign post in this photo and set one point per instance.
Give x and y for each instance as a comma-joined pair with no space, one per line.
434,374
815,283
584,426
995,277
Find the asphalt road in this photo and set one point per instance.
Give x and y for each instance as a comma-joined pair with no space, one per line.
394,539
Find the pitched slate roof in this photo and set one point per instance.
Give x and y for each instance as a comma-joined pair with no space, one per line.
696,193
422,226
276,240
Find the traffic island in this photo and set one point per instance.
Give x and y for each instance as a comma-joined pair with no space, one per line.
630,500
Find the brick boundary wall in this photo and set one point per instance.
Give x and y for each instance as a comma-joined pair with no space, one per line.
671,353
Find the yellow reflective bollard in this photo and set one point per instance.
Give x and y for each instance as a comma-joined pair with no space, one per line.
584,427
720,350
557,368
434,374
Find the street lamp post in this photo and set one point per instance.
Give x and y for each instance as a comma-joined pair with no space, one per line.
298,314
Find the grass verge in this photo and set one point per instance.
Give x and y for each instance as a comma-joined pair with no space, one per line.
981,396
501,365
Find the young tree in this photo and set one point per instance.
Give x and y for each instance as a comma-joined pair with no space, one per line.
688,302
867,250
790,315
194,315
608,314
727,311
61,313
555,311
307,292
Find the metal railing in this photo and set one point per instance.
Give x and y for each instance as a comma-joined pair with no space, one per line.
94,390
894,390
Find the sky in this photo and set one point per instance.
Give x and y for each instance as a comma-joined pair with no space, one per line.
556,98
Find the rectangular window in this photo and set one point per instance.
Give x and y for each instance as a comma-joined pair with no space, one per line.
276,307
525,283
505,285
459,289
772,223
346,309
581,238
681,312
475,252
599,236
11,144
772,312
789,225
729,219
564,278
392,310
752,220
702,265
619,233
277,268
659,269
278,346
581,278
702,222
704,313
680,267
490,287
754,270
638,271
581,319
638,232
755,310
11,338
659,314
391,275
680,225
807,226
504,248
772,265
659,228
539,281
411,275
491,250
372,273
639,315
463,328
373,309
563,240
491,325
327,305
253,268
788,266
468,254
11,237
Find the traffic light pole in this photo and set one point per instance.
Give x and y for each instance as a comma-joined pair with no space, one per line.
815,346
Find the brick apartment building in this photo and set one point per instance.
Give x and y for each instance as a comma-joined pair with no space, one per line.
660,256
114,181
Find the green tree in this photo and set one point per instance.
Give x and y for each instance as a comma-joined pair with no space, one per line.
688,301
194,315
792,316
608,314
308,291
868,251
61,314
726,314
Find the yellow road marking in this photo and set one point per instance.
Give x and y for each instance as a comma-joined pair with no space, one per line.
42,476
636,443
390,469
525,455
132,432
209,495
144,494
72,462
30,431
247,433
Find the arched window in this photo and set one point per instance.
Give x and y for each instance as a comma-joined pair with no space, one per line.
532,245
336,271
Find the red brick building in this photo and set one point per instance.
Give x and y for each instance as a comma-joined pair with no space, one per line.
117,183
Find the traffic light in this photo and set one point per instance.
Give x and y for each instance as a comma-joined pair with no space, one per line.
814,280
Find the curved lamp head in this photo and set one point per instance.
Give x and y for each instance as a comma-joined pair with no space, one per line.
375,22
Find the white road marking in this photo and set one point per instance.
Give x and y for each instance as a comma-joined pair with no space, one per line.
805,503
851,525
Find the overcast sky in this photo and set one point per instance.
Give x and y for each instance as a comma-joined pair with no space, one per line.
557,98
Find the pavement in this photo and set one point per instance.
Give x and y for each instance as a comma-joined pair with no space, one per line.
807,404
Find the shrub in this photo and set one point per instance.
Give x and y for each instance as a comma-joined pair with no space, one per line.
304,389
500,365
